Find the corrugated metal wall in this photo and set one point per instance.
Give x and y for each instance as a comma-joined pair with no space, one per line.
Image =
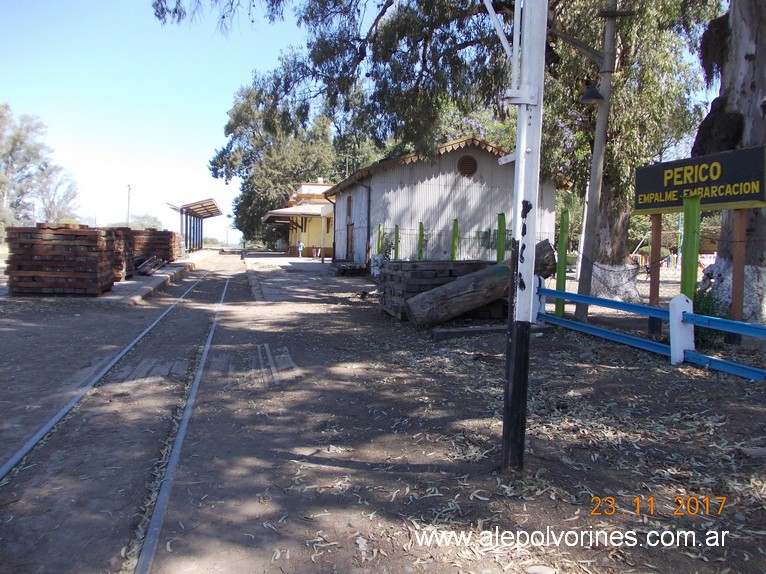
351,209
434,193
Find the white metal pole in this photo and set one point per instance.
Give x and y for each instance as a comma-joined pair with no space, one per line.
526,194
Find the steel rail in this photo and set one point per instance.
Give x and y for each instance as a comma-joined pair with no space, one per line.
46,428
149,547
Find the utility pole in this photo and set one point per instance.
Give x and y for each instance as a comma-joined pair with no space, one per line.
127,221
528,71
593,197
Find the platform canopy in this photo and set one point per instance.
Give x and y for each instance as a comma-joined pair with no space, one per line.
192,215
202,209
284,214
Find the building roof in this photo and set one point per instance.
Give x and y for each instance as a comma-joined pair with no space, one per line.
202,209
303,210
411,158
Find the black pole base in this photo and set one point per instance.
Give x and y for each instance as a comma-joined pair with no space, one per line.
515,398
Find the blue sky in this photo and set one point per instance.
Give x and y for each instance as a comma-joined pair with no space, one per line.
129,102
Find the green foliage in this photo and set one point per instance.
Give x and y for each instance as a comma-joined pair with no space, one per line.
31,186
672,225
418,71
24,165
646,250
273,150
575,204
705,303
652,104
354,148
420,61
387,245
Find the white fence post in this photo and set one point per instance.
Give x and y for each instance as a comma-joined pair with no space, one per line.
681,334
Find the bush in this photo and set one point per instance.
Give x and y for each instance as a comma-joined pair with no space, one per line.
706,304
646,250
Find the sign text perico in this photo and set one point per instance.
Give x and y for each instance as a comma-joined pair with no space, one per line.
727,180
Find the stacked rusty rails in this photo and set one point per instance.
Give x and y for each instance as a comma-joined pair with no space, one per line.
402,280
162,244
149,266
124,250
59,260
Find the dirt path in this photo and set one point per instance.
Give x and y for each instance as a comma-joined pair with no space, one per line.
79,497
329,438
378,436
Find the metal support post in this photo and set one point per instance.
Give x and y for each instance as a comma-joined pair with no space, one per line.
561,263
526,193
655,255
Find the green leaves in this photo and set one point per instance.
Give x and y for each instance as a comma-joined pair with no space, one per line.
272,152
415,71
25,165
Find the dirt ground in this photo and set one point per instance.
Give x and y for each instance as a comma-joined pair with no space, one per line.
371,435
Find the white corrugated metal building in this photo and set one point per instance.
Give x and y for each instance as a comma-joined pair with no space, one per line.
464,182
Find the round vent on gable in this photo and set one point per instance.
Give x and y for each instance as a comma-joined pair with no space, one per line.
467,165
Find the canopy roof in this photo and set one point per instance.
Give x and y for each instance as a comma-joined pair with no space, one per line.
303,210
202,209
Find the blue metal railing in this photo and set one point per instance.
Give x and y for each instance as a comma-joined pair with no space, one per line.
746,329
690,356
623,338
645,310
752,373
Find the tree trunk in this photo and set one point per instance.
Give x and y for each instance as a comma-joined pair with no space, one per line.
743,85
614,275
614,216
474,290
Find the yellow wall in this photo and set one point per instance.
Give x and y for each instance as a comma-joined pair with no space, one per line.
312,237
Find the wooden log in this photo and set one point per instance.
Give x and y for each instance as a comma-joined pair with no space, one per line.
474,290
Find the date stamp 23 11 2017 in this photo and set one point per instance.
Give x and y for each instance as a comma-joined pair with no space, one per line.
645,506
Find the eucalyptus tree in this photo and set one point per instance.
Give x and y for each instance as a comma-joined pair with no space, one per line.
56,195
419,61
24,159
271,148
733,49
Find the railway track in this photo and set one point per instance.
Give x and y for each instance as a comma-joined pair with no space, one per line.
114,444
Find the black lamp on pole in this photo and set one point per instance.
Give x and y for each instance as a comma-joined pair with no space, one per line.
592,95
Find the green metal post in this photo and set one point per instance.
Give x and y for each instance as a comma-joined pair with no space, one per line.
421,240
380,238
396,243
561,264
500,237
455,239
691,246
